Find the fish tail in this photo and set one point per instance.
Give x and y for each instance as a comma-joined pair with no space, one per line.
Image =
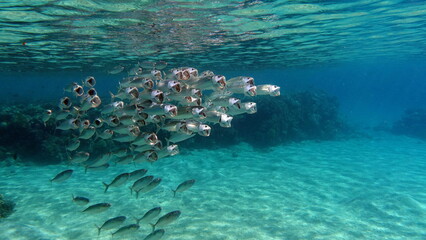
85,169
106,187
137,194
99,229
131,191
174,193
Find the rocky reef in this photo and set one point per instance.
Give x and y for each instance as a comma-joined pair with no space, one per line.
412,123
295,117
283,119
6,207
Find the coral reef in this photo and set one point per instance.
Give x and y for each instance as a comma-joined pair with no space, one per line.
6,207
412,123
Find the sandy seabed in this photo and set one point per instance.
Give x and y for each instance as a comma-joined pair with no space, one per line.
365,188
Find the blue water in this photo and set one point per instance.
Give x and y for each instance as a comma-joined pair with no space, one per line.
364,183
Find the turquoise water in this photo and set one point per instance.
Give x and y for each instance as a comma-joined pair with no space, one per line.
358,65
365,188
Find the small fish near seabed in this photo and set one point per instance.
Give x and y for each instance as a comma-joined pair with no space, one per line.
166,219
155,235
137,174
118,181
111,223
184,186
149,215
126,230
97,208
80,200
62,176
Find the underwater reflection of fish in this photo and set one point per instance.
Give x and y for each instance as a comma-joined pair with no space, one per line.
97,208
166,219
184,186
111,223
62,176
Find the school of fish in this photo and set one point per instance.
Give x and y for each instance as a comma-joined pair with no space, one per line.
147,117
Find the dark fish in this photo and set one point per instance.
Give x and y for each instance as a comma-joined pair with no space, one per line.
148,216
156,235
97,168
97,208
184,186
111,223
118,181
126,229
166,219
62,176
80,200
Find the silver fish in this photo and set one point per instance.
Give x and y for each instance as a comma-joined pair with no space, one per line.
162,109
146,156
89,82
73,145
73,123
97,208
179,137
241,79
170,150
96,168
139,82
98,123
149,187
155,95
202,129
88,133
145,139
170,86
268,89
125,160
113,121
247,90
116,70
223,119
65,103
196,112
247,107
80,200
106,134
62,176
118,181
127,120
127,93
126,230
100,161
111,223
155,235
149,215
79,157
78,90
137,174
46,116
166,219
112,107
91,102
63,114
183,186
141,183
84,125
119,153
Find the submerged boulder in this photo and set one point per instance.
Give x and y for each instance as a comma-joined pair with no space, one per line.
412,123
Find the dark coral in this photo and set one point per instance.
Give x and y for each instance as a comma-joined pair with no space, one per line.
6,207
412,123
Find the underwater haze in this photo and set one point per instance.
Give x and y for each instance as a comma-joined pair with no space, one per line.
240,120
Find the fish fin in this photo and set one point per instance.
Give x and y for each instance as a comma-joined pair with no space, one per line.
137,194
153,226
137,219
112,96
106,187
99,229
174,193
131,191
